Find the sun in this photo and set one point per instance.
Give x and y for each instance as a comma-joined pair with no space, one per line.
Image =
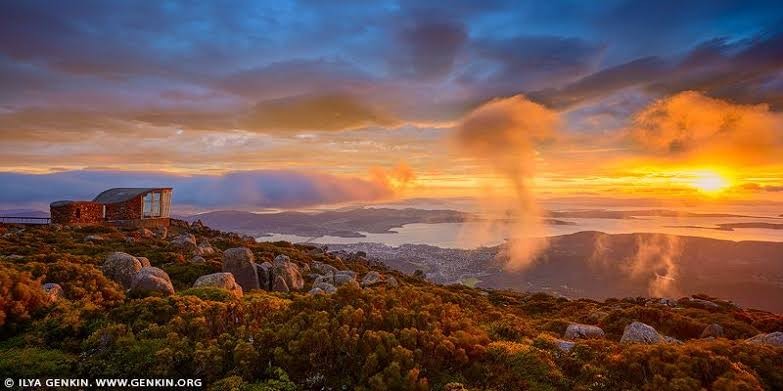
710,182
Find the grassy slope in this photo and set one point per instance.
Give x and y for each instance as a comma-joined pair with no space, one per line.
417,336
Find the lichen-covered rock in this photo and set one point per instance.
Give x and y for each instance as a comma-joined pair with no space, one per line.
323,268
204,249
343,277
220,280
281,259
121,267
279,285
371,278
667,302
144,261
583,331
329,279
185,241
264,271
701,303
283,267
565,346
198,259
53,292
240,262
392,282
316,291
151,280
325,287
638,332
94,238
714,330
775,339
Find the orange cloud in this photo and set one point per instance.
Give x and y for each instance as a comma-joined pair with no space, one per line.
695,127
396,179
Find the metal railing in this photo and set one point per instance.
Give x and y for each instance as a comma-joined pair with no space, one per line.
24,220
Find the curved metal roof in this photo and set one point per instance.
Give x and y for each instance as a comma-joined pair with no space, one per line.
122,194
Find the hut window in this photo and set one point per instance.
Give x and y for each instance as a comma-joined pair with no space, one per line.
152,204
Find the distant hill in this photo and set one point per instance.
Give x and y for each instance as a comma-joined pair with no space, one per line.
632,214
23,213
599,265
347,223
342,223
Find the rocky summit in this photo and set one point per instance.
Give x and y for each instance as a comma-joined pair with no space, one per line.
240,315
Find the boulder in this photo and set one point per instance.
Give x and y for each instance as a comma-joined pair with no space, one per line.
371,278
198,259
582,331
151,280
279,285
240,262
53,292
667,302
325,287
121,267
775,339
283,267
220,280
638,332
701,303
714,330
565,346
392,282
316,291
144,261
329,279
264,272
323,268
345,277
185,241
205,248
94,238
204,251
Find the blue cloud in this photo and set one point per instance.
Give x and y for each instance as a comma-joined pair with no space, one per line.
245,189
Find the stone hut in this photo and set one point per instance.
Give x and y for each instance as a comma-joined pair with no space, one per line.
135,207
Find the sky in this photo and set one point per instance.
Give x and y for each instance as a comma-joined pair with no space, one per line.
287,104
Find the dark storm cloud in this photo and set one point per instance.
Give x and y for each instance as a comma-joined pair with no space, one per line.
427,44
744,71
118,66
525,63
252,189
